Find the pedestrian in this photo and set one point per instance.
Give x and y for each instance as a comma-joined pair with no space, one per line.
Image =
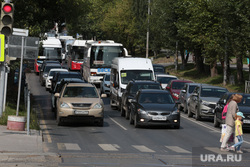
238,132
232,109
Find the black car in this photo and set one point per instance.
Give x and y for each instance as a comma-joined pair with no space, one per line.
154,107
130,91
59,86
244,107
159,69
44,72
60,75
45,62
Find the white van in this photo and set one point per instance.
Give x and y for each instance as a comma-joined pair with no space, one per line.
124,69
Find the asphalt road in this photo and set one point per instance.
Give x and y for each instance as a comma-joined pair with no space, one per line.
120,144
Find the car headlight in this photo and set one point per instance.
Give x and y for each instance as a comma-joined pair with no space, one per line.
45,75
205,103
107,85
97,106
64,105
141,111
175,94
176,111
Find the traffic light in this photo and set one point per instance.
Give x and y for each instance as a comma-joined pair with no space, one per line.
7,11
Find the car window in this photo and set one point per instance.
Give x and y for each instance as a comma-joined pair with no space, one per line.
178,85
191,88
165,80
159,98
212,92
85,92
107,78
245,101
136,87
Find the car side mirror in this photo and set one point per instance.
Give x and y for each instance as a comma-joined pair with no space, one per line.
167,87
57,95
183,91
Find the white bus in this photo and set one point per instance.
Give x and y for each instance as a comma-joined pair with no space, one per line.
98,58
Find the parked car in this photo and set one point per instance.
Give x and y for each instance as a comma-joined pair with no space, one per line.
44,72
60,75
154,107
130,91
105,85
50,77
80,101
59,86
184,95
244,107
175,86
203,100
164,79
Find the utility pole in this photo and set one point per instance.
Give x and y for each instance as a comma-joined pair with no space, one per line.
176,57
147,45
225,65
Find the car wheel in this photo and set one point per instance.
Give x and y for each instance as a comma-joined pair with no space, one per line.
190,114
216,123
135,122
197,114
131,121
100,123
180,107
177,126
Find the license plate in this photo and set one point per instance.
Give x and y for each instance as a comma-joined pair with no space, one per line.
159,118
247,121
81,112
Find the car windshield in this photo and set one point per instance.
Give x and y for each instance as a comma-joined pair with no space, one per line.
165,80
69,76
212,92
137,87
159,98
127,75
191,88
159,69
48,68
75,91
107,78
178,85
245,101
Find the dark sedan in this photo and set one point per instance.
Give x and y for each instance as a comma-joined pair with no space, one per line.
244,107
154,108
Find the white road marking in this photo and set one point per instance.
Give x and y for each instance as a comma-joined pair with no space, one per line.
44,126
109,147
72,146
117,123
143,148
206,126
177,149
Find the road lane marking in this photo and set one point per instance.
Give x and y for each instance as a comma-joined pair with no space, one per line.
143,148
72,146
109,147
117,123
43,124
177,149
206,126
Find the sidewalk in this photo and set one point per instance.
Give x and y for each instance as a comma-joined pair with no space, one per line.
22,150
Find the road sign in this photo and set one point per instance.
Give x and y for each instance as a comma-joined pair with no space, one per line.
31,46
2,46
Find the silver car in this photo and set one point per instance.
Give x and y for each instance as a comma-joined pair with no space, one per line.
203,100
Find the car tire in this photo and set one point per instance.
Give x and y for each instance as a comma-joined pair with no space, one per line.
177,126
135,122
185,108
131,121
127,113
180,107
59,121
216,123
197,114
100,123
190,114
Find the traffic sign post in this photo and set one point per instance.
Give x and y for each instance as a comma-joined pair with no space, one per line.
2,45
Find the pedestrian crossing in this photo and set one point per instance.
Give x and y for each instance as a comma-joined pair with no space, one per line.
138,148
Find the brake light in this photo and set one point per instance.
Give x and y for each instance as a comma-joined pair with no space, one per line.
93,73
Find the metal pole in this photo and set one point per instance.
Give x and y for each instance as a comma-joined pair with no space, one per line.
176,57
28,113
5,88
225,65
20,78
147,45
2,77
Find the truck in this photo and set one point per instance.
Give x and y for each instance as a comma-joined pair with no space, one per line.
124,69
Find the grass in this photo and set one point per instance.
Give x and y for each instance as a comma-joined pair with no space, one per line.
190,73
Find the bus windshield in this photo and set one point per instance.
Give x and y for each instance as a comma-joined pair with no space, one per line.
78,53
52,53
102,56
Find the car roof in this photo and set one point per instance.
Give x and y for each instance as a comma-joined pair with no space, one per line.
153,91
81,84
165,75
53,64
179,80
211,86
58,69
73,80
143,81
51,61
69,72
